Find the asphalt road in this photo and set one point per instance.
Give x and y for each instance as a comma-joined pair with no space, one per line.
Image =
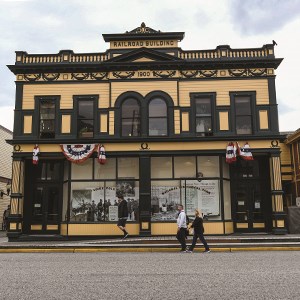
240,275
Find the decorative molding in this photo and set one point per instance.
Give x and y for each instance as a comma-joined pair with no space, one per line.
99,75
164,74
208,73
32,77
257,72
80,76
189,74
247,72
50,76
123,75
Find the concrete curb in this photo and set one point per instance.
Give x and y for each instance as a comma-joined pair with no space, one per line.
139,249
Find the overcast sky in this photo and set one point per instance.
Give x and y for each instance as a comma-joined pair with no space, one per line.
38,26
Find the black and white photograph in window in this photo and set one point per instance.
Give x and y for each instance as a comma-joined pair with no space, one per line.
130,192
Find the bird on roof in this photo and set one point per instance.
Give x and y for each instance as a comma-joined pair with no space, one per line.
274,43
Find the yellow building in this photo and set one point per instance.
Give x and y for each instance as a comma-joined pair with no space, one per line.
165,117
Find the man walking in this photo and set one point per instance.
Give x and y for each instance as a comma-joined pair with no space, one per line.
122,215
181,227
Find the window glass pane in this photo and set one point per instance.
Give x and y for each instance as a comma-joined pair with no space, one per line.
65,202
130,109
128,167
208,166
203,106
227,200
242,106
130,118
157,108
83,170
47,119
131,127
85,128
53,170
85,197
185,166
161,167
225,168
130,190
85,109
158,126
243,125
47,109
106,171
165,195
203,125
203,194
66,170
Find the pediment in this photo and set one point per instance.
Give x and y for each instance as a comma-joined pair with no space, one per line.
144,55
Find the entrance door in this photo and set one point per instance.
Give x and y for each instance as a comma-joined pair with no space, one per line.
248,199
45,209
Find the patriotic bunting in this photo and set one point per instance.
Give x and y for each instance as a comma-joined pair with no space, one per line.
101,155
35,155
245,152
78,153
230,153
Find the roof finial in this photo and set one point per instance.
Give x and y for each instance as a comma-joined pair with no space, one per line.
143,25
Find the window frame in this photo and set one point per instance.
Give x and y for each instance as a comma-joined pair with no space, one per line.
252,99
38,100
166,117
122,118
212,97
94,100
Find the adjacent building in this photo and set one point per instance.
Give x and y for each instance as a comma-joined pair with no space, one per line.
171,123
5,171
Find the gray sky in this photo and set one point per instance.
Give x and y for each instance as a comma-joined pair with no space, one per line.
47,26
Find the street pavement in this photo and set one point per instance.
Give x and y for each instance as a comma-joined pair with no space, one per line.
105,276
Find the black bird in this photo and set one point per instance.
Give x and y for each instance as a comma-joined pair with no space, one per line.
274,43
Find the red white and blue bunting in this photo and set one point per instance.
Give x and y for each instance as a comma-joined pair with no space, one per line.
230,153
234,150
78,153
35,154
101,155
245,152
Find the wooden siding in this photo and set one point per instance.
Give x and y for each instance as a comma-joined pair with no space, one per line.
222,89
66,92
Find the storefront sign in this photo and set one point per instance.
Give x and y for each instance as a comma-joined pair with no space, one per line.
139,44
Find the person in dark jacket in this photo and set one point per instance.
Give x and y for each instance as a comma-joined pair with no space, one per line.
122,215
197,225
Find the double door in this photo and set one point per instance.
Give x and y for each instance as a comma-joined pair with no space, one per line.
45,208
43,197
249,200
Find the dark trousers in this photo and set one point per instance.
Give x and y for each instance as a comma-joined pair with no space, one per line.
181,238
202,239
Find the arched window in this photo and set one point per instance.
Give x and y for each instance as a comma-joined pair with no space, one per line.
131,118
158,117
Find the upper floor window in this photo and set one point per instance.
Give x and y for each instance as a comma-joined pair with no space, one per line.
47,118
204,116
158,117
85,118
131,122
243,115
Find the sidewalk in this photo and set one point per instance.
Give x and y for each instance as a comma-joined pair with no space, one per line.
230,243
